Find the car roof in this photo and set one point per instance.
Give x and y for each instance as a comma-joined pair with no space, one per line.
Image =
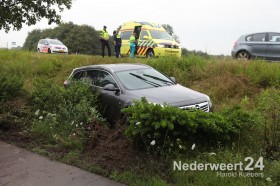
114,67
259,33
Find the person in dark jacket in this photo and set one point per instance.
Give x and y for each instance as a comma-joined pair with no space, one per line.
117,43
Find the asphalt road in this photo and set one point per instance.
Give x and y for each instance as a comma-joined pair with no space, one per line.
19,167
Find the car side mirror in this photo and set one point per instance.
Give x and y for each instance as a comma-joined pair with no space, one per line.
66,83
173,79
111,87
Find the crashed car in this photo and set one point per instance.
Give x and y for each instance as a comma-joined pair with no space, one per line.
120,84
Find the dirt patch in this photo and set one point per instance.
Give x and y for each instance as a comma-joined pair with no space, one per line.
110,148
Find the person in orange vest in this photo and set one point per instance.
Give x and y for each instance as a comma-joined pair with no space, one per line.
104,39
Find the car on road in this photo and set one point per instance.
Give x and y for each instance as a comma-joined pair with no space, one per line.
51,46
264,45
120,84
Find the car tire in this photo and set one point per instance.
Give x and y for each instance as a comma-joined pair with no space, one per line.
38,50
49,51
243,55
150,53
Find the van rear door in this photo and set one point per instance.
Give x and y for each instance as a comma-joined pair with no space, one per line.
125,35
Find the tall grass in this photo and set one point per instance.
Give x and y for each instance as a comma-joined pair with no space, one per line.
225,81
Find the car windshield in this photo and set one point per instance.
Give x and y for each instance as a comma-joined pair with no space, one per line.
55,42
143,79
160,35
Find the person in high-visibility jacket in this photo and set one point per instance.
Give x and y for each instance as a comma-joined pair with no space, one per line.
104,39
132,40
117,43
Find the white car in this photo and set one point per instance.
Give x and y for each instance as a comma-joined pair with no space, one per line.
51,46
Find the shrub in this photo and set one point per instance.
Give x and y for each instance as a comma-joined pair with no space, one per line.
63,113
269,108
169,128
10,86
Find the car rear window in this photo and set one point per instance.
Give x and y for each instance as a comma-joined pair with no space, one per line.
249,38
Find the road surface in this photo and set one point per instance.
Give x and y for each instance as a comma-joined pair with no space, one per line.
19,167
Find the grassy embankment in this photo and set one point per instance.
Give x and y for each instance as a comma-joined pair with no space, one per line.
254,86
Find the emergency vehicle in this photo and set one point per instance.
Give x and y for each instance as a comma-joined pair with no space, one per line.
51,46
153,40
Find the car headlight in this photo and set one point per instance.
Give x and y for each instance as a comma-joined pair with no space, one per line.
209,101
160,45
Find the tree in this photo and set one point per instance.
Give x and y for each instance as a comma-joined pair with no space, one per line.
32,39
14,13
81,39
169,30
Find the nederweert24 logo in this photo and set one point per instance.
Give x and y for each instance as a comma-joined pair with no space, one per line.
246,168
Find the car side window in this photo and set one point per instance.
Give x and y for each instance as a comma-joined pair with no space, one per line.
92,75
78,75
249,38
259,37
274,37
126,35
143,33
104,78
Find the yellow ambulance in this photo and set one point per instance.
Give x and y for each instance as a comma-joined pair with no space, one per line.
153,40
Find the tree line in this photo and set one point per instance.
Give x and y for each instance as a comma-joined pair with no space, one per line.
80,39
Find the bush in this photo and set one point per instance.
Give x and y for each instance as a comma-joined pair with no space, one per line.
269,108
63,113
168,128
11,86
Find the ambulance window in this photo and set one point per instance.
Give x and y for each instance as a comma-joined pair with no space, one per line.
126,35
143,33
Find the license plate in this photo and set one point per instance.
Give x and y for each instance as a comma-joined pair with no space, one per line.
61,50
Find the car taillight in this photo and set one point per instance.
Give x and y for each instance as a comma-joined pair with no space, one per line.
235,43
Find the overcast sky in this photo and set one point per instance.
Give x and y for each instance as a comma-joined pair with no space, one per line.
211,26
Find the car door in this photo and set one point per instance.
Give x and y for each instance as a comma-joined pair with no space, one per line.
273,47
143,39
110,100
258,45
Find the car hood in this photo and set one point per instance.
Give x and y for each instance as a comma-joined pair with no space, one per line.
174,95
59,46
166,42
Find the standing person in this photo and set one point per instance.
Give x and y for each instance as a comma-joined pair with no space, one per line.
132,45
117,43
104,39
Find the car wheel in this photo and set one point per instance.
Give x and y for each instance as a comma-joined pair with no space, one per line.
243,55
49,50
38,50
150,53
